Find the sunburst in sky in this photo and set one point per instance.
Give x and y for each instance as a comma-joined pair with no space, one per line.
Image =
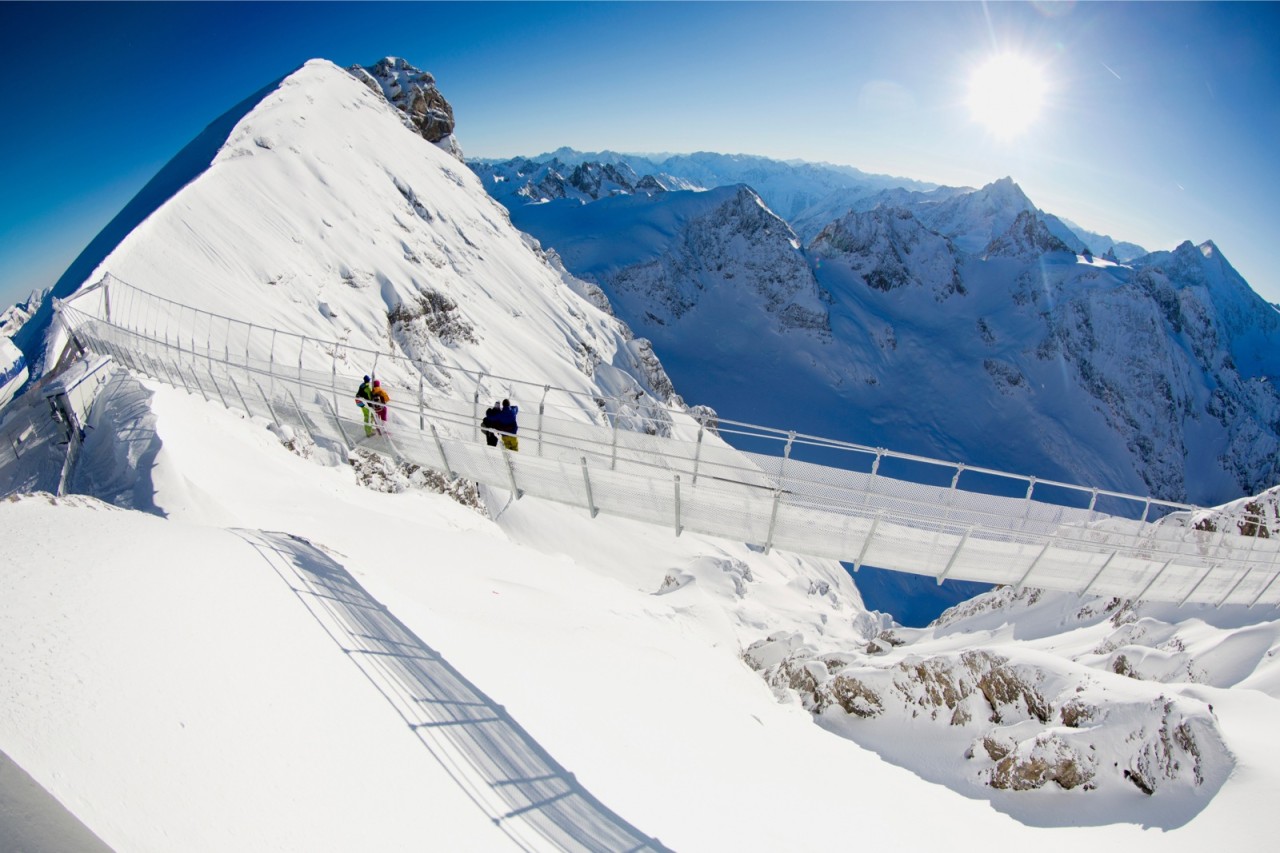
1006,94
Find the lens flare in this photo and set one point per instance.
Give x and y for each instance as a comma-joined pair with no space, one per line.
1006,94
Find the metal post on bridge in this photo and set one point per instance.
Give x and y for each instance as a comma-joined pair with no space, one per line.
342,434
871,481
511,473
1274,575
786,455
1248,569
1216,552
1098,574
444,460
613,462
679,527
866,543
195,377
302,419
217,387
1208,570
271,362
267,400
422,414
1154,578
247,411
333,379
542,405
956,554
697,449
1026,509
773,520
1031,568
586,479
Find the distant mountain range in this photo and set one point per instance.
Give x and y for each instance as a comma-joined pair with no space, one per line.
927,317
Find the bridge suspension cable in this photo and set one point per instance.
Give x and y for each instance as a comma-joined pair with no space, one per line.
658,465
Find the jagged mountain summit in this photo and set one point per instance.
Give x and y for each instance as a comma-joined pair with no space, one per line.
523,181
292,616
413,92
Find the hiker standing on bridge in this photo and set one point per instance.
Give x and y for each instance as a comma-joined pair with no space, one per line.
379,402
364,399
505,422
489,423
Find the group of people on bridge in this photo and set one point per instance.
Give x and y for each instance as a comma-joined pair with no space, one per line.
499,419
372,399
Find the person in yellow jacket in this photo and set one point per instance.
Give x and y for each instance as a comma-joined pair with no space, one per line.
380,399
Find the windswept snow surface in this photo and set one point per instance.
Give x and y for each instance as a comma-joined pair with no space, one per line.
225,645
168,679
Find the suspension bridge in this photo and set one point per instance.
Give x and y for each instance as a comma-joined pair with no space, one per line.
662,466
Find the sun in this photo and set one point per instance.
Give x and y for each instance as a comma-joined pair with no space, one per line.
1006,94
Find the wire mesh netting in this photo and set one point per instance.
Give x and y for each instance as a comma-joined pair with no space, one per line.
946,520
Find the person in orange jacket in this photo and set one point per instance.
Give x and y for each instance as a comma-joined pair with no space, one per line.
380,400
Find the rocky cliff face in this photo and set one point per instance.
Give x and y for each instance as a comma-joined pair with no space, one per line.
889,248
414,93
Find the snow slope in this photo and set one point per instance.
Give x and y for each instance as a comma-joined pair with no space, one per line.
260,730
222,644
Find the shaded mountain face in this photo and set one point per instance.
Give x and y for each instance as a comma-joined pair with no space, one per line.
688,265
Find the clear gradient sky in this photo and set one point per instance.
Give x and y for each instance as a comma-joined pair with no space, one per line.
1160,123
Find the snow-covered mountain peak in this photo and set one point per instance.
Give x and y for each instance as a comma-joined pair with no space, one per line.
662,256
414,93
889,248
1027,238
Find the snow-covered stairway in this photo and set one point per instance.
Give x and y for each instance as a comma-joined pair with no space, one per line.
1106,544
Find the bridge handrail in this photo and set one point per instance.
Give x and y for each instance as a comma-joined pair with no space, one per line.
721,425
708,486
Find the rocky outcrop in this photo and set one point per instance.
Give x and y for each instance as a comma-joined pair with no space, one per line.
414,93
1027,239
1023,725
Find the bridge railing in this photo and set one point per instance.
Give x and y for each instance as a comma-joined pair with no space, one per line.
688,479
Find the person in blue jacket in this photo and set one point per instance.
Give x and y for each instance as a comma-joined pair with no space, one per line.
505,422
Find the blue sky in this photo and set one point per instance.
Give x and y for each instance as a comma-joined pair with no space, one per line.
1159,123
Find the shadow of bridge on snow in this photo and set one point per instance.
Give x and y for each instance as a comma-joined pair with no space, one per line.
538,803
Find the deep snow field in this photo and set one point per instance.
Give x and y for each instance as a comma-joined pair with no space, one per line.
173,677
